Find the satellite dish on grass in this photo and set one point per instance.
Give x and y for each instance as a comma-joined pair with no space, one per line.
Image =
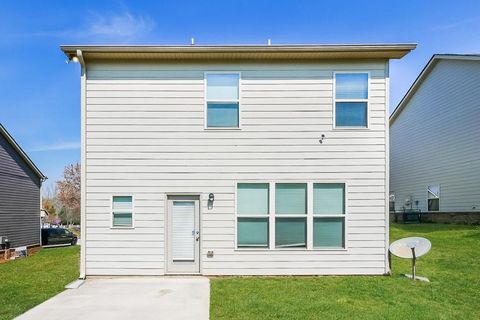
411,248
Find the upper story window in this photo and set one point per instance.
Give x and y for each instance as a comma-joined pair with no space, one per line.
222,102
351,100
433,198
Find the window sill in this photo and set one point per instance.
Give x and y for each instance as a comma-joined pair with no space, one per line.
351,128
290,249
220,129
122,228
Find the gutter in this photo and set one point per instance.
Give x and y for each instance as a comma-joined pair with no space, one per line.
78,57
178,52
23,154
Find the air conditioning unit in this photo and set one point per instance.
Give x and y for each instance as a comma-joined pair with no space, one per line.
408,202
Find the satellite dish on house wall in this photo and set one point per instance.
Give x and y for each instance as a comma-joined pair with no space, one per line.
411,248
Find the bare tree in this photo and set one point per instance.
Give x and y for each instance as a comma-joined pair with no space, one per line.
68,194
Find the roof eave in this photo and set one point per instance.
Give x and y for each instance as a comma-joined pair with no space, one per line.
22,153
351,51
421,77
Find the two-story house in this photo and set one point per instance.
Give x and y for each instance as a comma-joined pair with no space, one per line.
235,160
435,152
20,200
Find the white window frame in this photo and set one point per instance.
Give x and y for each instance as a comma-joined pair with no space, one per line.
305,216
439,195
335,100
333,215
205,102
111,212
310,215
253,216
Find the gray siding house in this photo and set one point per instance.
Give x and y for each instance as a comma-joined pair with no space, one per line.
235,160
434,138
20,182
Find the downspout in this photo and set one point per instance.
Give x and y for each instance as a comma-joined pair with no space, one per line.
388,270
83,114
42,180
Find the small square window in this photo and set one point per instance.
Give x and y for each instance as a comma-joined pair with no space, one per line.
290,232
328,233
351,86
252,232
351,114
221,115
252,198
291,198
328,198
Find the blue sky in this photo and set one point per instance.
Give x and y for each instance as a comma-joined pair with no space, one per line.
40,102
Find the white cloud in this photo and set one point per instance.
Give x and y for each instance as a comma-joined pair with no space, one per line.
57,147
454,25
120,27
112,27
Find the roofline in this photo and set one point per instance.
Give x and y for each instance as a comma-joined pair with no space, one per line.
22,153
286,51
423,75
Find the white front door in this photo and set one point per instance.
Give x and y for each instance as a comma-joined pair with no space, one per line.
183,234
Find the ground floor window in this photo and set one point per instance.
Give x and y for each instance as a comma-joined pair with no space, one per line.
329,215
290,215
433,198
252,213
122,211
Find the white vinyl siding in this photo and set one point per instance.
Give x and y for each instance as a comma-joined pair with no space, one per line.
434,140
145,136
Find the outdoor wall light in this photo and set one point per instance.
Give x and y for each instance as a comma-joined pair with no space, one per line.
211,198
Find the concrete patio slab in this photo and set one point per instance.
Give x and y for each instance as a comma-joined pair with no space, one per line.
129,298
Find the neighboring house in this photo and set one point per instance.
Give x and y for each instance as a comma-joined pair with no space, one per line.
224,160
434,138
20,182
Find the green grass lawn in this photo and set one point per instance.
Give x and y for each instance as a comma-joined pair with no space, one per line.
24,283
453,267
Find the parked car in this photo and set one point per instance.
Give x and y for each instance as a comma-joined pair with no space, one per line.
52,236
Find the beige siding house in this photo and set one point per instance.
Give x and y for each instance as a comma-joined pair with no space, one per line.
434,138
235,160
